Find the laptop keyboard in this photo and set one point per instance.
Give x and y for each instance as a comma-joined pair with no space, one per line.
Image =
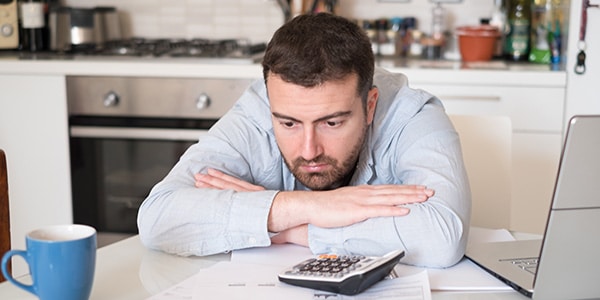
528,264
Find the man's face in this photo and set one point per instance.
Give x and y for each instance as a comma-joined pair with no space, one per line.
320,130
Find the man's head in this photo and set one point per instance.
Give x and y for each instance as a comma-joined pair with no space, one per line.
319,75
312,49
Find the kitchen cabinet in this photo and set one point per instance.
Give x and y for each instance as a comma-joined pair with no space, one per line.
536,113
34,135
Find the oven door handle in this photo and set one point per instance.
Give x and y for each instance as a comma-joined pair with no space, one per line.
137,133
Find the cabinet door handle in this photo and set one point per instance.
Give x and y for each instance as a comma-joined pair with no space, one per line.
137,133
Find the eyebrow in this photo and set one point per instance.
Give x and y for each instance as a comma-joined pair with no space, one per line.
324,118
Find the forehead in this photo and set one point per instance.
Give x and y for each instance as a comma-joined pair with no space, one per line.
291,99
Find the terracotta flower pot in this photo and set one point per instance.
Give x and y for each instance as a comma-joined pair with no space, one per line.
477,43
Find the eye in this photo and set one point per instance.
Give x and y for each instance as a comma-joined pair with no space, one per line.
287,124
331,123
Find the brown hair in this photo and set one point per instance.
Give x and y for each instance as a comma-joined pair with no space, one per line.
314,48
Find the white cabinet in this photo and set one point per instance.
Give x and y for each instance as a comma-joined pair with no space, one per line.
536,113
34,135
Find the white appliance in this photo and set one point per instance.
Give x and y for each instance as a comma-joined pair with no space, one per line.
9,26
582,89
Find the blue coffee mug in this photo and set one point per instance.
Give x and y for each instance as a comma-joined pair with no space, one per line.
62,262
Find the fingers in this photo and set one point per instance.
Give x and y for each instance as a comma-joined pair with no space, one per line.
201,181
295,235
393,211
219,180
391,194
402,190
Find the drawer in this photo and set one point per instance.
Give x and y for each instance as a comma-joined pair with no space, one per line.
538,109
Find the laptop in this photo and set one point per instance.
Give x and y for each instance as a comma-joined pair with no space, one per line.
565,263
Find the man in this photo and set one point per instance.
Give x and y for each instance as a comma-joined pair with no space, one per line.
326,153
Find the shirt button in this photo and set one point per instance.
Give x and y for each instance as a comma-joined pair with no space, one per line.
252,240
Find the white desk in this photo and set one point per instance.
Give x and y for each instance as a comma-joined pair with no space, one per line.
127,270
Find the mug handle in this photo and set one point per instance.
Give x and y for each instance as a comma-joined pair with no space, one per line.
7,274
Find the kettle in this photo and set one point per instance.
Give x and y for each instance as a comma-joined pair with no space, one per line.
107,25
59,23
73,29
329,6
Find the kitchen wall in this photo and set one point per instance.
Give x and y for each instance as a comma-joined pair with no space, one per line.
258,19
466,12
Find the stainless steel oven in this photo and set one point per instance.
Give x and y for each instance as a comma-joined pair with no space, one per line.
126,133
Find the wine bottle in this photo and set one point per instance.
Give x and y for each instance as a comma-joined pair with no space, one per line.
517,41
32,25
498,19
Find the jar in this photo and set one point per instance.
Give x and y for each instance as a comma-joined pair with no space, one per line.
431,48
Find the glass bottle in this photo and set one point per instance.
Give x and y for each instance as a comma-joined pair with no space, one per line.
557,11
398,31
385,41
32,25
516,46
369,28
498,19
437,22
409,24
540,26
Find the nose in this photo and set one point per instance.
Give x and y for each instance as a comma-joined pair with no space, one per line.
311,146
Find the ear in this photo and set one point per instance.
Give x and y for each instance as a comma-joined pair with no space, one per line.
372,97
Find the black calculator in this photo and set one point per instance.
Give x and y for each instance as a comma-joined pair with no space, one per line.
341,274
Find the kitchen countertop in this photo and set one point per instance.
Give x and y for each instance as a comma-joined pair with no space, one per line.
421,71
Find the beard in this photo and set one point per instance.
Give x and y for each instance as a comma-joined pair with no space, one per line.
338,176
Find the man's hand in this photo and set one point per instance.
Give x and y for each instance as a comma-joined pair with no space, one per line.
343,206
219,180
297,235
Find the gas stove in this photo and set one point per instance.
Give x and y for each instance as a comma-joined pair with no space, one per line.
229,51
205,48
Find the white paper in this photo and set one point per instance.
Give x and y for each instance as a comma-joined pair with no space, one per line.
464,276
485,235
254,272
284,255
226,280
412,287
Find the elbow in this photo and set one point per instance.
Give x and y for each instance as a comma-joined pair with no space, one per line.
153,226
167,233
439,248
150,238
160,243
170,240
444,256
442,240
437,255
450,247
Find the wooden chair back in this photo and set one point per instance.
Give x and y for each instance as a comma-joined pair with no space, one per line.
4,210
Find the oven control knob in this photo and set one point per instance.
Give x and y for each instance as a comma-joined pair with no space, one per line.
203,101
111,99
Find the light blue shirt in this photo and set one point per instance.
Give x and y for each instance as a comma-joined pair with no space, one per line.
411,141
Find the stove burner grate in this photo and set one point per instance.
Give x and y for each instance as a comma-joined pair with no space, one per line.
207,48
